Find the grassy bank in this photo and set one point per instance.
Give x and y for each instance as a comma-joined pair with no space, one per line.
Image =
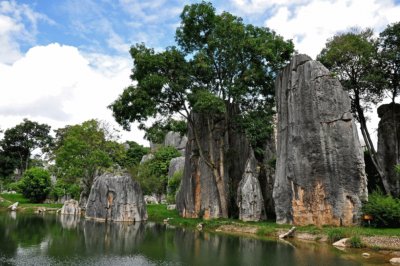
377,238
23,203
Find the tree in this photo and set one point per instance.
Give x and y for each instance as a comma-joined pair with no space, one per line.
20,141
389,59
35,184
220,64
134,154
352,57
152,175
82,152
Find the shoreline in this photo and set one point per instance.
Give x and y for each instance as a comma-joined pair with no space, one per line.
385,239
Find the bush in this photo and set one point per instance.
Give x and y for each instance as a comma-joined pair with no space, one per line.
62,188
385,210
35,184
335,234
355,242
153,174
173,185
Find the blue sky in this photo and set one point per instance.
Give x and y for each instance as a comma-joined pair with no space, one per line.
62,62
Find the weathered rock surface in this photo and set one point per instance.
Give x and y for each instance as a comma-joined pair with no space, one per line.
14,206
146,158
71,207
395,261
116,198
389,144
198,195
176,164
249,196
342,243
175,139
267,176
320,176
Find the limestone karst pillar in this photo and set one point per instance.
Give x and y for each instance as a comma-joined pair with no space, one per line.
320,177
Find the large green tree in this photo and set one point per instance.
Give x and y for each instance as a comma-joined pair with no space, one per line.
389,59
352,57
81,152
19,142
220,63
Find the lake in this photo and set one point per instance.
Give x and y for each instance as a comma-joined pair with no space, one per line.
30,239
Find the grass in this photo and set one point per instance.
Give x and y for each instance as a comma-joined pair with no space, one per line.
269,228
24,202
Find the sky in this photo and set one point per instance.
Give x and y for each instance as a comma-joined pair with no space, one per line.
63,62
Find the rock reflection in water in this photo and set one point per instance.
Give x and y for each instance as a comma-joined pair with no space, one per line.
115,238
69,221
64,240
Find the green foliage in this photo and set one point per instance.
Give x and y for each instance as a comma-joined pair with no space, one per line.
18,143
173,186
35,184
335,234
83,151
220,62
153,174
385,210
134,154
388,59
62,188
355,242
157,131
351,56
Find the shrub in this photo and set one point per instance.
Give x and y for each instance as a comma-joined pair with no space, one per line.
335,234
35,184
385,210
62,188
355,242
173,186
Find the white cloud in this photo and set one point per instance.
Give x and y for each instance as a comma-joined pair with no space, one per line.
312,23
18,22
59,85
254,7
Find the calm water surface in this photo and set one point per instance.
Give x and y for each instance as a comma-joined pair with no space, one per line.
28,239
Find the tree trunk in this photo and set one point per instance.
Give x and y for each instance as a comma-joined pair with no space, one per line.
370,145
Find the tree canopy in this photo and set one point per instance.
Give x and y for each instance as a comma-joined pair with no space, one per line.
83,151
19,142
218,60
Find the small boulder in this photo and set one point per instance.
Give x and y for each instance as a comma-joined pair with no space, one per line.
342,243
116,197
150,199
171,207
395,261
365,255
71,207
41,210
13,207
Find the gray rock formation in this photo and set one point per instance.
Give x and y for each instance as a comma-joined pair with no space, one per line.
389,144
320,176
175,139
116,198
267,176
71,207
198,195
146,158
177,164
249,196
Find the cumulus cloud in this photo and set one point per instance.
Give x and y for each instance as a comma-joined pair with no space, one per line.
18,22
310,24
59,85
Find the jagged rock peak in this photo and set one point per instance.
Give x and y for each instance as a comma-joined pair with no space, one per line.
320,176
249,196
